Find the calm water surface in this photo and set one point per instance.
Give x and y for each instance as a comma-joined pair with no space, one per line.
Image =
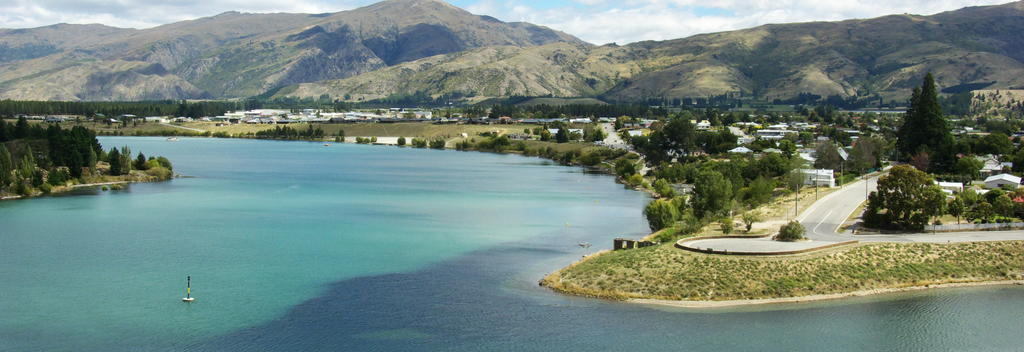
296,246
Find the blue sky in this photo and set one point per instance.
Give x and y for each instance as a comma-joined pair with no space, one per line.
596,21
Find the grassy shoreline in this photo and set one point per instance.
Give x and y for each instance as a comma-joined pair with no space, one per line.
94,181
663,274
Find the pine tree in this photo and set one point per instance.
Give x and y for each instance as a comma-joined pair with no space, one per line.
924,128
140,162
115,162
6,167
21,128
4,133
562,136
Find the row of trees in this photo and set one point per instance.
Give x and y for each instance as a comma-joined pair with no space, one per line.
285,132
36,159
11,108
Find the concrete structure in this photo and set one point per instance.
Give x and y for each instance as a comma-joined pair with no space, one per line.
1002,180
741,150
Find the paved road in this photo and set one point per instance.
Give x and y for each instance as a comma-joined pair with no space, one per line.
612,138
823,219
183,127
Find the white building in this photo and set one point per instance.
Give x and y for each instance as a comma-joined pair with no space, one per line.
951,187
818,177
998,181
773,134
741,150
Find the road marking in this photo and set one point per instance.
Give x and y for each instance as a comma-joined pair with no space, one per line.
821,222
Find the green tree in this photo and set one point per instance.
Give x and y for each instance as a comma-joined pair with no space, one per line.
792,231
995,143
545,135
712,194
827,157
661,213
982,211
625,167
562,136
968,167
401,140
6,167
749,218
664,189
957,207
140,162
909,198
115,162
758,191
21,128
924,128
787,147
866,154
727,225
1003,206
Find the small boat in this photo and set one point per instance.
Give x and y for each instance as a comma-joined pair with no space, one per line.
327,144
188,291
172,139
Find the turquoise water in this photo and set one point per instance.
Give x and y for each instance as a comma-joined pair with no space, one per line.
297,246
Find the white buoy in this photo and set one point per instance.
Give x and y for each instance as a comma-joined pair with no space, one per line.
188,291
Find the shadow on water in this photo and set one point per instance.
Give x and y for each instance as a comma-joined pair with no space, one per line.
488,301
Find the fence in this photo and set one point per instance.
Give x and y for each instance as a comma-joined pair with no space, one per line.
622,243
974,227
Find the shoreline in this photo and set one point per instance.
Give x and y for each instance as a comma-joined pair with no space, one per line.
814,298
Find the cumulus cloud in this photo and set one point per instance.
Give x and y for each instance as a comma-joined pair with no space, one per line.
629,21
146,13
596,21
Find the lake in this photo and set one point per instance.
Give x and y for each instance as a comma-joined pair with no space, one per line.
298,246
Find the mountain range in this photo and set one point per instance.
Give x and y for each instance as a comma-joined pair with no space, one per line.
404,47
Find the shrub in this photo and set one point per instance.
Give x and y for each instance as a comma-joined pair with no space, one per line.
625,167
635,180
663,189
749,218
160,172
401,141
726,225
793,231
437,143
660,214
419,143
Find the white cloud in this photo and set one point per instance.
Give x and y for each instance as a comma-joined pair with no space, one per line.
596,21
145,13
636,20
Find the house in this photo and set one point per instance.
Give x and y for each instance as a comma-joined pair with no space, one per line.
951,187
818,177
741,150
773,134
744,140
635,133
990,165
157,119
703,125
1002,180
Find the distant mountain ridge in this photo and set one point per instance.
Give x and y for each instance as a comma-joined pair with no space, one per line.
882,57
400,47
228,56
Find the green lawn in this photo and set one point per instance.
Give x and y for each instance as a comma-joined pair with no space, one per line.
666,272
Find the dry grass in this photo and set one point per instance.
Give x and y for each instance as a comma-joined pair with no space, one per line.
664,272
